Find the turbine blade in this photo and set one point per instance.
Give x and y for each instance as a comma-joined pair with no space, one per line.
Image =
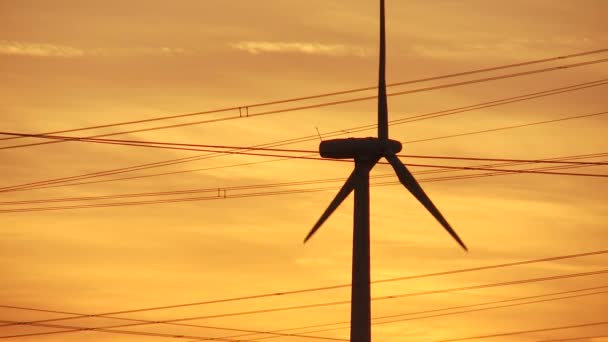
346,189
382,102
410,183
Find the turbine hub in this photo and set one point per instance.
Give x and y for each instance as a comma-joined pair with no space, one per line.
351,148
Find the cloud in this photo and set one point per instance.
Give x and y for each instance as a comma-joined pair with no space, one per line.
38,50
333,50
31,49
141,51
15,48
516,47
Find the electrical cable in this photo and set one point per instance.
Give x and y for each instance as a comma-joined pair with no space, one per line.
289,141
223,190
343,92
433,315
521,332
308,306
222,193
281,333
333,287
578,338
555,159
72,329
239,149
320,105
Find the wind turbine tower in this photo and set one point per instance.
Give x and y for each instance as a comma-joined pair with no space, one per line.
367,152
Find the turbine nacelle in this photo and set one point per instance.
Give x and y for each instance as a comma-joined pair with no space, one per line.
352,148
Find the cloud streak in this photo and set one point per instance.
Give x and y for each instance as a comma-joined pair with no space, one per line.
514,47
13,48
29,49
307,48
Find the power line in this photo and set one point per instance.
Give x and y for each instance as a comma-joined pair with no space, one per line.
362,128
343,92
510,160
579,338
506,127
326,104
480,175
101,329
316,305
340,286
555,159
144,176
222,191
499,173
451,111
221,195
307,138
521,332
438,310
71,329
412,294
240,149
281,333
172,146
495,307
473,168
148,143
285,142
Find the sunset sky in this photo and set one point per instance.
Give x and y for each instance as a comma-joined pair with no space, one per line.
68,64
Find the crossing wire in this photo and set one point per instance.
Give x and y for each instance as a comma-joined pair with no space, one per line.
388,297
308,306
597,155
320,105
240,149
434,315
223,190
521,332
280,143
281,333
148,143
163,144
33,185
221,196
222,193
341,286
550,160
73,329
567,118
452,111
343,92
578,338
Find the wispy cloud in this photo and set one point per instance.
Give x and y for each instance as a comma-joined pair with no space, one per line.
35,49
516,47
334,50
38,50
149,51
15,48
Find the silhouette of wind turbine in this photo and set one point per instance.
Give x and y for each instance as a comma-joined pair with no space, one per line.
367,152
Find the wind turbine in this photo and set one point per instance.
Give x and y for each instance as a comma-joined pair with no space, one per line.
367,152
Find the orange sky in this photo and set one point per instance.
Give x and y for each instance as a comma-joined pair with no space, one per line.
68,64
